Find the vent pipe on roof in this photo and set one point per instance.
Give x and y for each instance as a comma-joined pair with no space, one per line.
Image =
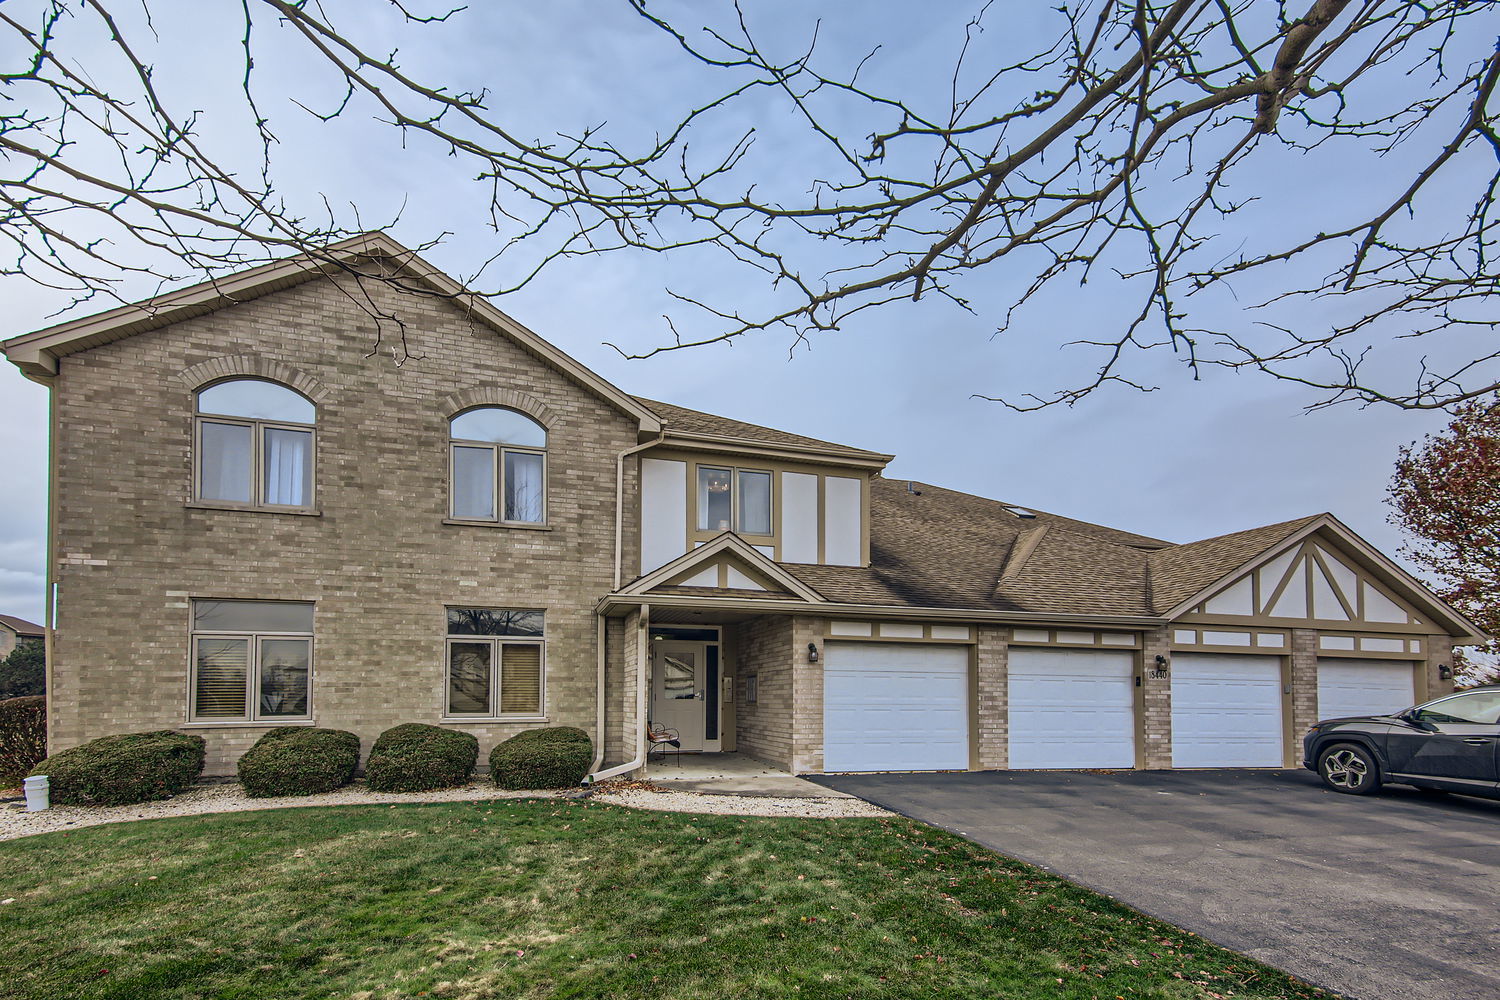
911,488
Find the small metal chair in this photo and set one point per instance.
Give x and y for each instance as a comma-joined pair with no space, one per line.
658,739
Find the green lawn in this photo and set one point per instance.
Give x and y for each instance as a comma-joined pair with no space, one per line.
570,899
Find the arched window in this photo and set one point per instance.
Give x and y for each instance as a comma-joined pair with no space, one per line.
255,445
498,462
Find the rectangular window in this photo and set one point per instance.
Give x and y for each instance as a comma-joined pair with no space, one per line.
227,458
251,661
494,663
715,499
491,483
755,503
734,499
474,483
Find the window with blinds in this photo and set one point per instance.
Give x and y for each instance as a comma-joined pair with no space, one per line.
494,663
252,661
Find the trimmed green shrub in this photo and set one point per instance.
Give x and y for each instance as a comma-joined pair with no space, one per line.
295,760
415,757
121,770
23,737
542,758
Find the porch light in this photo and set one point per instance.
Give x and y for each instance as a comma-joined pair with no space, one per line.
812,652
1445,672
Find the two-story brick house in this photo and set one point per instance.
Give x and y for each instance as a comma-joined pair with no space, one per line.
256,522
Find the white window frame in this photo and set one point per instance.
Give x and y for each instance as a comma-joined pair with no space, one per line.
252,678
734,499
497,667
257,453
497,465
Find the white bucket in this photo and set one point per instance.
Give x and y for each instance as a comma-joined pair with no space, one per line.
38,797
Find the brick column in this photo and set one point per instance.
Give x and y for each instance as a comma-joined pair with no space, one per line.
991,715
1303,676
807,696
1439,650
1155,701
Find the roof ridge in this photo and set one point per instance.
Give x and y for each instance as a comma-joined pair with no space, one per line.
1020,551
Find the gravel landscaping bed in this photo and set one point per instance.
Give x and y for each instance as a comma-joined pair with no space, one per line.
738,805
230,797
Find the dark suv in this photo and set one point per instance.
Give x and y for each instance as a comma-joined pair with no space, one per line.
1451,744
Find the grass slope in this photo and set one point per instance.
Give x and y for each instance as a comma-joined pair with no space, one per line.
571,899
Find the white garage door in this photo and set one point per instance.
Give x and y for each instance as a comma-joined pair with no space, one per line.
1071,708
1226,710
895,707
1363,687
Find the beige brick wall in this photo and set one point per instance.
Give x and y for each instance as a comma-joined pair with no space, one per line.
1303,666
763,649
1155,701
991,714
807,695
379,562
1439,649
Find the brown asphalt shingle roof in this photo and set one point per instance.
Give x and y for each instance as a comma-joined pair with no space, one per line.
21,626
1179,572
680,418
939,548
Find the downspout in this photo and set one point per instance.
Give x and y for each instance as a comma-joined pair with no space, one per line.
599,719
49,621
643,629
619,570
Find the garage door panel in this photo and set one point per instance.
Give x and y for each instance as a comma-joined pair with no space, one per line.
895,707
1071,708
1226,710
1364,687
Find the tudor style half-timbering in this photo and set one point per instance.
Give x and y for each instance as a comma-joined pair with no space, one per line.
257,522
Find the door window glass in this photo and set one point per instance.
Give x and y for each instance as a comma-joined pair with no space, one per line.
1476,707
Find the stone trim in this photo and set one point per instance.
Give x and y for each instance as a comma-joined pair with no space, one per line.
254,366
495,395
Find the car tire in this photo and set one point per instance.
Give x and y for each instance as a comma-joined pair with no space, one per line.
1349,769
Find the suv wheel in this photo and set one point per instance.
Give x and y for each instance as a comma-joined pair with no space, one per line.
1349,768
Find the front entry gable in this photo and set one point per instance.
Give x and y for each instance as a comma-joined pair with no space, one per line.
727,562
1329,576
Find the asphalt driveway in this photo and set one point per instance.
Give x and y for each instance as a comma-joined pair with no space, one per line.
1391,896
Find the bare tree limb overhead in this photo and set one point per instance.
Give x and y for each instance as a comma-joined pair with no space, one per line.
1180,157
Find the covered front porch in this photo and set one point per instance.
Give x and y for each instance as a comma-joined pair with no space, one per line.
730,773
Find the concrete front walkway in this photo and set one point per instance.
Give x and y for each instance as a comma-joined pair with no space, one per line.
732,774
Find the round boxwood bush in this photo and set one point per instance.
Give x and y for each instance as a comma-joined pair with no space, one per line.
23,737
415,757
294,760
121,770
542,758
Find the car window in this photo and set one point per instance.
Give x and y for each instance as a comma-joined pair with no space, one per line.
1482,707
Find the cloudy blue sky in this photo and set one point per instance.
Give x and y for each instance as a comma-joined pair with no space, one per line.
1194,459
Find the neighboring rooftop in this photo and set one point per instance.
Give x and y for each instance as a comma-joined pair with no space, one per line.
21,626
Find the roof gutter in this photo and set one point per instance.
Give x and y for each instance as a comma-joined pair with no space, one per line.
794,452
620,602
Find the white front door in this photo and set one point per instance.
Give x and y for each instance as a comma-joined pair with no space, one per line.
679,689
895,707
1071,708
1226,710
1364,687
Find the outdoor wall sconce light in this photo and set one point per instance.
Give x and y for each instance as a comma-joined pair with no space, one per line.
1161,660
1159,668
1445,672
812,652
